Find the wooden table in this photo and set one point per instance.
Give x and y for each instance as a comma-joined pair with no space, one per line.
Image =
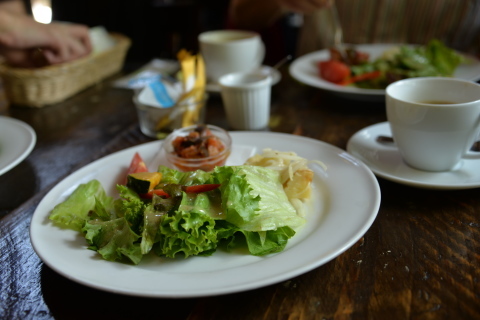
419,260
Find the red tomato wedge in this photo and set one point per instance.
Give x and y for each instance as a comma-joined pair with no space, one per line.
361,77
158,192
201,188
136,165
188,189
333,71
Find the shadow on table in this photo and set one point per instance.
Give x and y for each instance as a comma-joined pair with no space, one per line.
14,192
69,300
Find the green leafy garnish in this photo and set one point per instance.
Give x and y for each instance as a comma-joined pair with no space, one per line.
249,208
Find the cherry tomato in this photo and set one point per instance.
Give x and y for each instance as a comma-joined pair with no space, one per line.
158,192
361,57
333,70
188,189
136,165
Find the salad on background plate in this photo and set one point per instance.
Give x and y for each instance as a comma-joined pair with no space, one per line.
351,67
366,69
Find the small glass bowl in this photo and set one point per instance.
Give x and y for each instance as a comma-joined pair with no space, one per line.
207,163
158,122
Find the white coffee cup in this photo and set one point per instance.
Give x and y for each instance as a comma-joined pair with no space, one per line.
434,121
246,98
228,51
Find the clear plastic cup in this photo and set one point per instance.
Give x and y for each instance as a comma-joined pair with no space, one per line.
156,122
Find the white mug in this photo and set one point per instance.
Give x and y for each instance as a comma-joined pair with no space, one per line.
246,99
434,121
228,51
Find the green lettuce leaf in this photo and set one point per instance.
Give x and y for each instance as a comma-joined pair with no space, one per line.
100,209
130,206
113,240
184,178
152,220
189,231
258,243
253,199
73,212
443,58
249,208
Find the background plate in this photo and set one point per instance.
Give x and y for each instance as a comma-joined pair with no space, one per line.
17,140
305,70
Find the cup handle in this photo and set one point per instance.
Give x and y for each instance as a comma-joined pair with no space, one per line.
473,154
261,53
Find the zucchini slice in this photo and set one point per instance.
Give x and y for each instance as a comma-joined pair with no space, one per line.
143,182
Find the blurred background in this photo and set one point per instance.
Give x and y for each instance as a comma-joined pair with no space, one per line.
159,28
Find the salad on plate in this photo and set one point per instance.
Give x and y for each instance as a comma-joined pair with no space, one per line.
170,213
350,67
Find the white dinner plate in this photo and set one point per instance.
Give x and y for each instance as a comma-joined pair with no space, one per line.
305,70
17,140
385,161
346,199
274,73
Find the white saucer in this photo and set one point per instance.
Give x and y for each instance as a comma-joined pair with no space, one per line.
274,73
385,161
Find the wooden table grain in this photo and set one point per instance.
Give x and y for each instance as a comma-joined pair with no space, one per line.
419,260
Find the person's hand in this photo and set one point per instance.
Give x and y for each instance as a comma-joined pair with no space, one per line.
304,6
66,42
27,43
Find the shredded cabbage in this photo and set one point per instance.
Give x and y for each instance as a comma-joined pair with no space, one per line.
295,175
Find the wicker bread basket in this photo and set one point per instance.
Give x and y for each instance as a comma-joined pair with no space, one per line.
52,84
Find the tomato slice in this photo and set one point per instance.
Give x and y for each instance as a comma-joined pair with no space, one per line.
201,188
333,71
158,192
188,189
136,165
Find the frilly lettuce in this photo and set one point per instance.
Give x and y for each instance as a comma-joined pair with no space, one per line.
249,207
188,233
431,60
113,239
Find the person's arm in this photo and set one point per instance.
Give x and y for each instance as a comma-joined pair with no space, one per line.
27,43
254,14
13,6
